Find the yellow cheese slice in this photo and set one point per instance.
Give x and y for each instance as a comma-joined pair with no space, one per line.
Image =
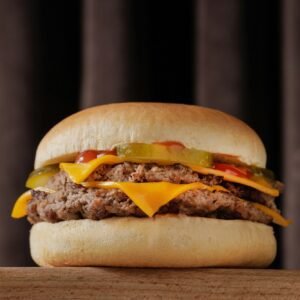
277,218
228,177
150,196
79,172
19,209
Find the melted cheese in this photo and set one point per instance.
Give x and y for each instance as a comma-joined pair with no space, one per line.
277,218
79,172
19,209
150,196
228,177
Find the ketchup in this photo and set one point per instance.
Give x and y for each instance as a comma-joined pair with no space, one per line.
86,156
233,170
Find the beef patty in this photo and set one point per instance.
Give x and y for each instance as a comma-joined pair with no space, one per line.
72,201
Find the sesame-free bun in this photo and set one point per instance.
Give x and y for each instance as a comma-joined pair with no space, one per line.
162,241
105,126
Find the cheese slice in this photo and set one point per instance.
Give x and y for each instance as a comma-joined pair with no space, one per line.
19,209
78,172
228,177
150,196
277,218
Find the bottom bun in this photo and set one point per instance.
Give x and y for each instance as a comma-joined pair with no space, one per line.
162,241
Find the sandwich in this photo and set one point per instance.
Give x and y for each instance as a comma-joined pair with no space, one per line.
151,185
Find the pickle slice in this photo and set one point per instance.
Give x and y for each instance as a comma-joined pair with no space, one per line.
140,152
40,177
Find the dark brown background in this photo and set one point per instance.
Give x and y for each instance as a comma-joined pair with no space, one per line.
59,56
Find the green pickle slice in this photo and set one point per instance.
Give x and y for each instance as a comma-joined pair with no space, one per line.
140,152
40,177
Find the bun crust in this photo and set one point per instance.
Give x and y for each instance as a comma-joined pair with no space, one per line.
162,241
103,127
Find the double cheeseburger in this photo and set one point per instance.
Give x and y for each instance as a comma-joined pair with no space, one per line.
151,185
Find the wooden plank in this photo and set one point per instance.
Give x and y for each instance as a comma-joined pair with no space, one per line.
111,283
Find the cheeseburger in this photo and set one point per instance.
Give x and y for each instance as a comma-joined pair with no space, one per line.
151,185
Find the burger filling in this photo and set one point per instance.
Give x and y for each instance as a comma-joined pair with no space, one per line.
97,186
73,201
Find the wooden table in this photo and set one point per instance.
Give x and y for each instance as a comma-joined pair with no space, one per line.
112,283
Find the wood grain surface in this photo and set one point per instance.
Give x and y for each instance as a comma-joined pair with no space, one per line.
112,283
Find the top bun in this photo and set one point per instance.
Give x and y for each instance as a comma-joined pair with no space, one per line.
105,126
